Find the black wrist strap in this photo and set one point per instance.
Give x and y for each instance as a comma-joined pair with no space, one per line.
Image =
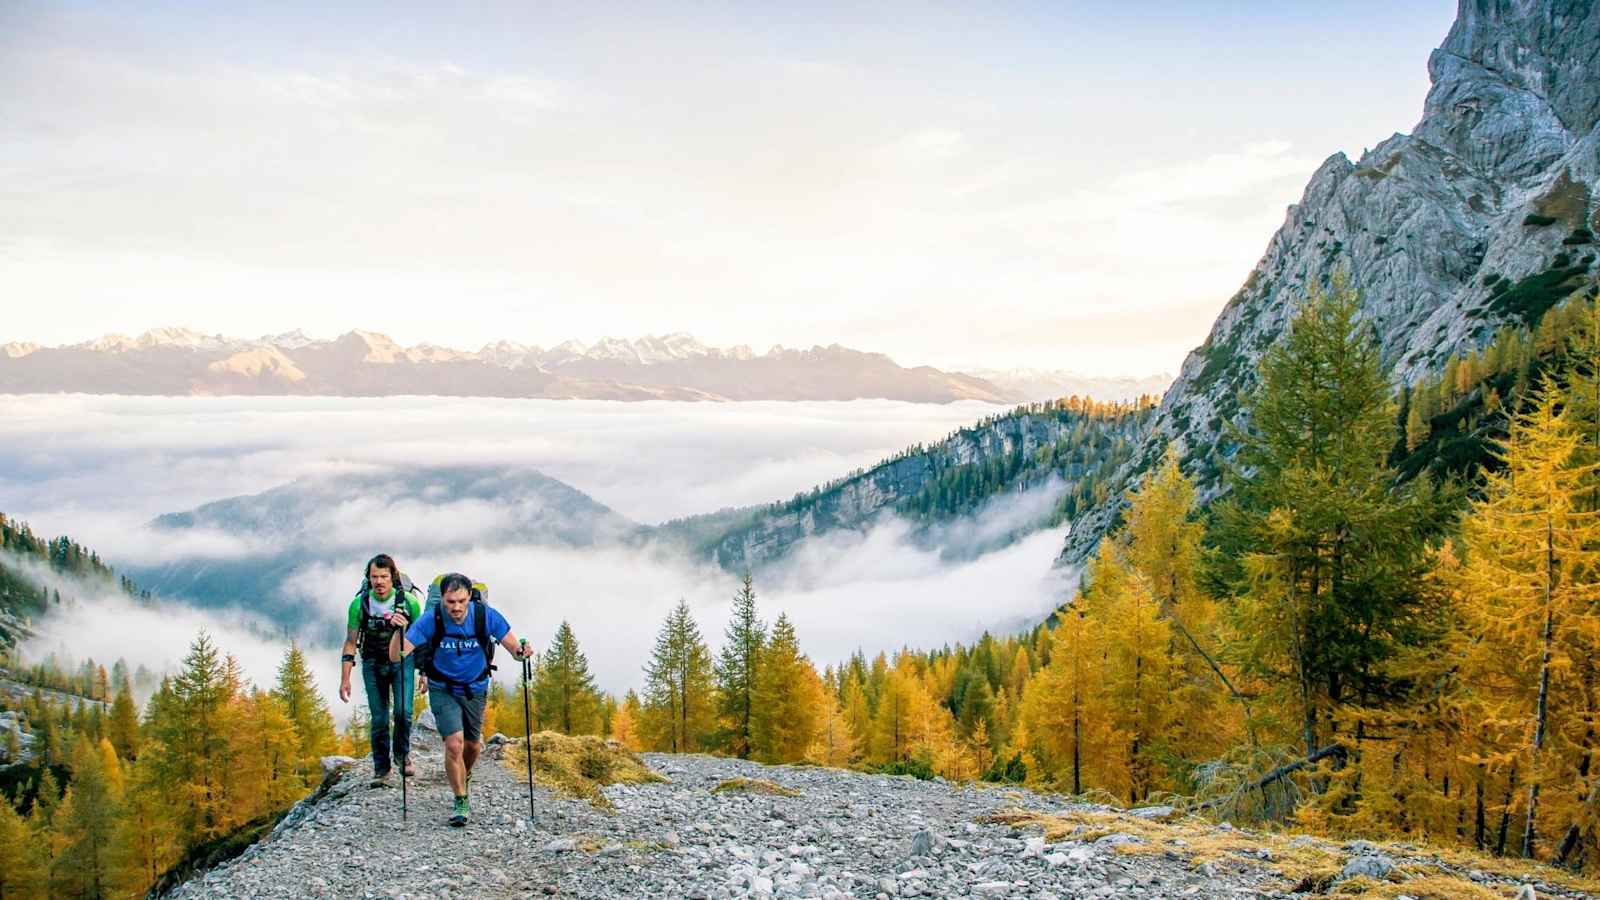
348,658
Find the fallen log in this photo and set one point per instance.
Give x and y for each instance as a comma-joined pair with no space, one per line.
1283,772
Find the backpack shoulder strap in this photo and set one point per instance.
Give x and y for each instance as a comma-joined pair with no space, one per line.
438,628
481,628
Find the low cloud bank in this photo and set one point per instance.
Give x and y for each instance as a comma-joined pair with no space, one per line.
105,466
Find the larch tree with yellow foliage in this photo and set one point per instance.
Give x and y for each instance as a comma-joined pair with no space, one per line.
783,719
625,724
1528,579
1064,706
1138,670
1161,542
22,872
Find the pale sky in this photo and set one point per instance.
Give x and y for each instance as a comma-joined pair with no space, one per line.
1057,185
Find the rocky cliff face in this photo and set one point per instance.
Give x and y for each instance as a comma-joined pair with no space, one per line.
1485,214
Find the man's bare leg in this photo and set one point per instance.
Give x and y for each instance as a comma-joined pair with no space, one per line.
457,762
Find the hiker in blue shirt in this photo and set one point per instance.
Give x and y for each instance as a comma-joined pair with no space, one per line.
462,632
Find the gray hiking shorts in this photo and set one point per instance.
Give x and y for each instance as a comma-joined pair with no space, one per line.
453,713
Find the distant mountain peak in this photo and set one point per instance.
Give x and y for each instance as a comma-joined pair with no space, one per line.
288,340
669,366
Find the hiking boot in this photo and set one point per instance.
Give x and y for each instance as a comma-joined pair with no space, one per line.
458,813
380,779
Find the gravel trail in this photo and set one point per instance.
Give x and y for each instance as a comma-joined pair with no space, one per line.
846,834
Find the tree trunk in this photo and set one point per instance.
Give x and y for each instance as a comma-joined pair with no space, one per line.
1544,688
1505,814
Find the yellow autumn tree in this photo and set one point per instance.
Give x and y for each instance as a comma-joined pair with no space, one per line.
835,743
1528,581
1138,673
857,717
1063,705
784,718
145,841
625,724
22,873
1161,543
85,825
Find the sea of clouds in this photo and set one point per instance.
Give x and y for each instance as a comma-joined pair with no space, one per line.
100,468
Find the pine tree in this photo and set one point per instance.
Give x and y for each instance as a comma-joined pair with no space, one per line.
1138,669
738,668
269,773
191,724
857,717
679,713
1161,544
567,697
111,766
1320,555
307,711
1417,425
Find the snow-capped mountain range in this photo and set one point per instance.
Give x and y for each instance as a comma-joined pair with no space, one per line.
366,363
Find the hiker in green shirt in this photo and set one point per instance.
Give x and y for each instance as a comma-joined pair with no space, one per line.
390,685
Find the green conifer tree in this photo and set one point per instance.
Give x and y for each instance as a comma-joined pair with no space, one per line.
313,724
564,689
1320,554
678,712
738,668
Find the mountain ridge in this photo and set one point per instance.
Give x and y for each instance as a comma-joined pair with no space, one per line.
1483,216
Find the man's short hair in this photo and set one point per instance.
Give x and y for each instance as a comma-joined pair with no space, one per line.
385,561
455,581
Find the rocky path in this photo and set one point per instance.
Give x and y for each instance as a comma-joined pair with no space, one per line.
843,834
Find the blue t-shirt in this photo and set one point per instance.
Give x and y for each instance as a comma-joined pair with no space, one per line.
459,657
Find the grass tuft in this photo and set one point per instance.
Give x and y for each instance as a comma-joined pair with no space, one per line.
579,767
754,786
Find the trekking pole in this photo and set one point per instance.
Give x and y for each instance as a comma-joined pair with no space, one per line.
527,727
405,684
